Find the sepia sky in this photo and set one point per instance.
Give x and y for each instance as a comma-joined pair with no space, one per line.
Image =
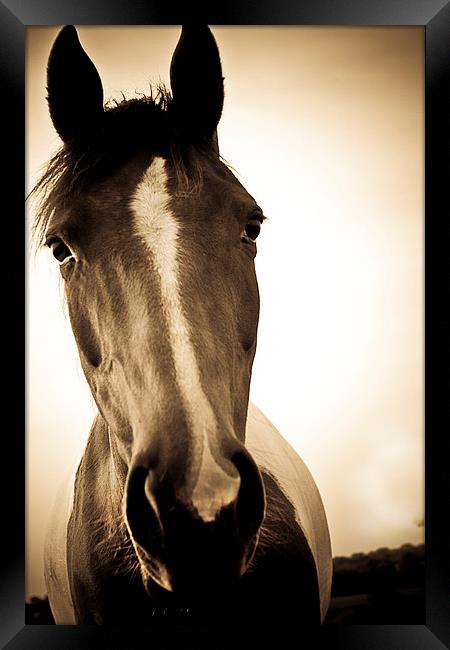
324,127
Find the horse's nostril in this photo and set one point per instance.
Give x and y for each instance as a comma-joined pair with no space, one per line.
141,511
250,505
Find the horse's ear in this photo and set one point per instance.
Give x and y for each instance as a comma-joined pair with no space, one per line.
75,93
197,84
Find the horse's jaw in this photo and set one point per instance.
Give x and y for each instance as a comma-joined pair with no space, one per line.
197,586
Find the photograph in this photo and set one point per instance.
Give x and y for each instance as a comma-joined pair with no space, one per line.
225,324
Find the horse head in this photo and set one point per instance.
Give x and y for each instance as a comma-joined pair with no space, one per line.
155,238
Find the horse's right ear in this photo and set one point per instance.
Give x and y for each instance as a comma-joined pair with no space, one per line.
197,84
75,93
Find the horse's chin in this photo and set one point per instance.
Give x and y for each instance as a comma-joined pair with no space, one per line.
162,587
160,584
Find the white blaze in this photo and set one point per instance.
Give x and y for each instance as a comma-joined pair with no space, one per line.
159,229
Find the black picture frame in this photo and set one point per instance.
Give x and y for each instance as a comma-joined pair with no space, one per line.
434,16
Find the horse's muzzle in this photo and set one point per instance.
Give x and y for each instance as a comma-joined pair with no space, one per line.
180,551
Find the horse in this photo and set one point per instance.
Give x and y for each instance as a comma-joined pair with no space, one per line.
187,503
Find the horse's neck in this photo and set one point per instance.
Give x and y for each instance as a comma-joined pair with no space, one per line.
274,454
78,494
95,513
99,486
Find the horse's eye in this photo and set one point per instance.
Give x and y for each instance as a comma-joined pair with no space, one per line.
60,250
253,227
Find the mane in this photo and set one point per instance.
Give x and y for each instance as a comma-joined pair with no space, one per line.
127,128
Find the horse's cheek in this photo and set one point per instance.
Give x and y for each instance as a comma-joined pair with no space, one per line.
88,342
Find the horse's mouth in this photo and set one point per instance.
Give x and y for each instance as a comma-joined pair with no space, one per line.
196,581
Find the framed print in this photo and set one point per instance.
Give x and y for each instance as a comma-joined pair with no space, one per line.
331,115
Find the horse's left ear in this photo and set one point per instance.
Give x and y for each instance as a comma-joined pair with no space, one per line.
197,84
